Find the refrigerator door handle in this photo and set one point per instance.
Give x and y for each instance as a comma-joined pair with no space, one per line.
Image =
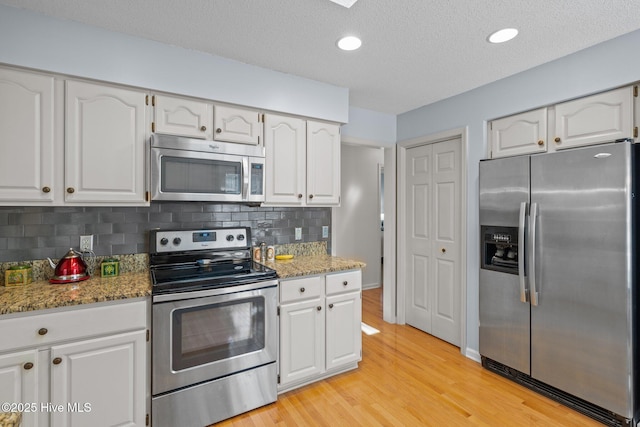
521,250
533,214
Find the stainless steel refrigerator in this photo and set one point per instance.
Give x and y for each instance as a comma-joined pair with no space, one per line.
558,279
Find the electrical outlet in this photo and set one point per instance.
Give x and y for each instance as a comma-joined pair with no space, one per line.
86,243
298,233
325,231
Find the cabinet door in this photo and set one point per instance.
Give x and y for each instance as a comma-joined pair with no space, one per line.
100,381
236,125
595,119
323,163
284,140
301,340
184,117
104,144
523,133
19,383
344,336
27,135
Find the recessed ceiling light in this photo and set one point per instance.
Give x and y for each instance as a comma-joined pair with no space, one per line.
503,35
349,43
345,3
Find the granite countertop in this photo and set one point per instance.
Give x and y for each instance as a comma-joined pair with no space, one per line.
10,419
41,294
312,264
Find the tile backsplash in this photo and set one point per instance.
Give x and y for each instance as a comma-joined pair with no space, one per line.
28,233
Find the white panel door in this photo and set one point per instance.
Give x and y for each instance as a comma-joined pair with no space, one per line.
446,241
183,117
432,265
302,338
285,147
419,237
323,163
236,125
106,373
27,138
105,144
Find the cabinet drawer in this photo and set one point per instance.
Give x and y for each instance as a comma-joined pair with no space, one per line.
35,330
344,282
301,289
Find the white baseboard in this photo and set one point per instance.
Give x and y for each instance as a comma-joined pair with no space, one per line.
473,354
371,286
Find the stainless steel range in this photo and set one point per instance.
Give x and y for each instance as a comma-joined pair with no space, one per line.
214,342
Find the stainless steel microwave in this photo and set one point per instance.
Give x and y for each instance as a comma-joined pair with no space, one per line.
187,169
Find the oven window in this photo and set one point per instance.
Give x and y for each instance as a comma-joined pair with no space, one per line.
188,175
209,333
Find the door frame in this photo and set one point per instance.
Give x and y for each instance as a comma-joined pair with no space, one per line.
401,292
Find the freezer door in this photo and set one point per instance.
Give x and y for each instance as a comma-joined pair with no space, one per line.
504,185
581,327
504,319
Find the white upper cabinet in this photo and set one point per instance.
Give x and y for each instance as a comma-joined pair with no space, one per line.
323,163
523,133
596,119
27,148
182,116
303,162
105,145
234,124
604,117
285,147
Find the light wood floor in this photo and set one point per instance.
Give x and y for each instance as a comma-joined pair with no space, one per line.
409,378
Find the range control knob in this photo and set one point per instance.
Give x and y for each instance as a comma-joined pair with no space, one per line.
230,237
240,237
164,241
176,241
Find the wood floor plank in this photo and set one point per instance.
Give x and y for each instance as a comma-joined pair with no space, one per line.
410,378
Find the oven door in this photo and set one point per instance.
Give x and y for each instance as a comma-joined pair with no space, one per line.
197,176
207,335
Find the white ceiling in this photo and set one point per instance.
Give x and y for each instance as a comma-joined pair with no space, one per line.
414,52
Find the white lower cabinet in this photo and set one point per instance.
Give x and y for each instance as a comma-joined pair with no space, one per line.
71,376
320,333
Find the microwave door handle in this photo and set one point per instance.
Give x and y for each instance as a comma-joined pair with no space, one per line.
245,178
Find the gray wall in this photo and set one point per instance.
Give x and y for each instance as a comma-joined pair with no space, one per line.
28,233
357,220
604,66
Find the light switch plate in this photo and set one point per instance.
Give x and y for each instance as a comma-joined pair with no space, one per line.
325,231
298,233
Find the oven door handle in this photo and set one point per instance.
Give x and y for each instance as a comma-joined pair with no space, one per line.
245,178
179,296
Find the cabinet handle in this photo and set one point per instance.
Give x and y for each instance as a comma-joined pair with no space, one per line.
330,305
541,143
218,130
302,289
311,196
203,128
299,196
27,366
46,190
319,308
345,283
71,190
57,361
557,140
43,331
444,251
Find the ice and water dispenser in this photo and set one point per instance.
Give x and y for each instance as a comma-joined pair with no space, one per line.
500,249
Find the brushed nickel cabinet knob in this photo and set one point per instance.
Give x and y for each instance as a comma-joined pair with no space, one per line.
557,140
218,130
27,366
46,189
541,143
203,128
57,361
43,331
302,289
71,190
